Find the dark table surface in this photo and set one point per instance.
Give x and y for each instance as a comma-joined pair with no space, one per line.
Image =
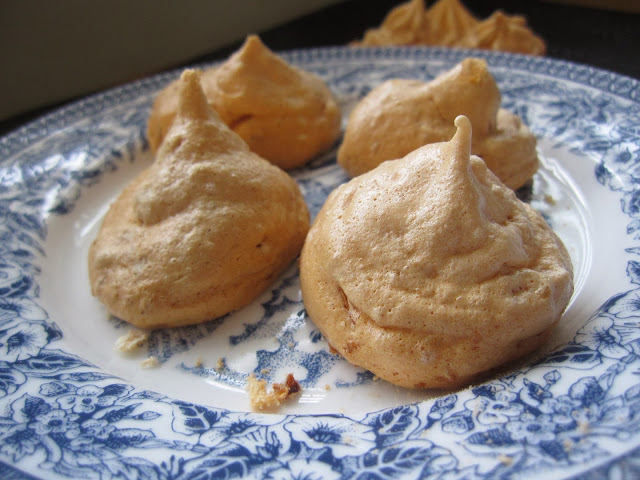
602,38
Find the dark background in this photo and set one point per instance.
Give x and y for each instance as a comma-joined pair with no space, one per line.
604,38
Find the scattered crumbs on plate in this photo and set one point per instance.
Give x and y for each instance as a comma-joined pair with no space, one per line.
132,340
476,410
549,200
291,345
220,363
505,459
262,401
327,387
150,362
265,371
583,427
199,362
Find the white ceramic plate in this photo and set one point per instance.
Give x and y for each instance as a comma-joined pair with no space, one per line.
71,406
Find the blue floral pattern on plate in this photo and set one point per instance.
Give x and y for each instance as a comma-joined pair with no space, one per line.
575,412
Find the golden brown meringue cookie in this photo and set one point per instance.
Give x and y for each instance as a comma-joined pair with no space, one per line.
202,231
427,271
285,114
505,33
449,23
405,24
399,116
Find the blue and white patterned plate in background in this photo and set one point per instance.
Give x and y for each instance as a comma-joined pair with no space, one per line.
71,406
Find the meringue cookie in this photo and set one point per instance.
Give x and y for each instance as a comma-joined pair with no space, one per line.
449,23
428,271
202,231
285,114
405,24
400,115
506,33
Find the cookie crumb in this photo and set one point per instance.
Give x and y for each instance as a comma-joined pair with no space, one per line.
505,459
583,427
220,363
261,400
327,387
132,340
199,362
549,200
150,362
